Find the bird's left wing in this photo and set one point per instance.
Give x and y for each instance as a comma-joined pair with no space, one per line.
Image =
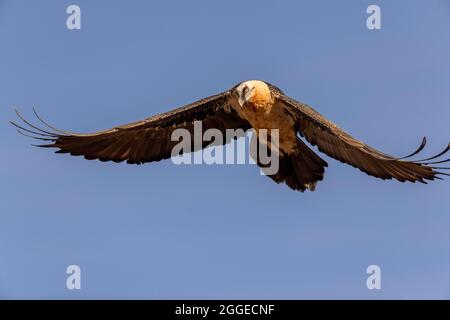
338,144
142,141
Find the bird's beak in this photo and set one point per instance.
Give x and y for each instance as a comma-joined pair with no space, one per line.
241,100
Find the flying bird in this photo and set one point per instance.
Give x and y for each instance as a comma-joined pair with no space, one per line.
250,104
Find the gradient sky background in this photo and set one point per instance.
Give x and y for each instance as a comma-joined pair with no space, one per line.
166,231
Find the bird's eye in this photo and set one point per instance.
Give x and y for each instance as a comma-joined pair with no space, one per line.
244,90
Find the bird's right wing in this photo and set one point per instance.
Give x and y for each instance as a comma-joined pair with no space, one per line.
338,144
146,140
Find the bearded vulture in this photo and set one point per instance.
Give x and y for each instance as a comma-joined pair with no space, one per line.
248,105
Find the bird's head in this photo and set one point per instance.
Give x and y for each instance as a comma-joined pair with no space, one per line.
253,91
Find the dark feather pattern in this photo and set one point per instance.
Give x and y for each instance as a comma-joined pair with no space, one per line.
142,141
338,144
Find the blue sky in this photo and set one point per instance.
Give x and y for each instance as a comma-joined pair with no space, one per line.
162,231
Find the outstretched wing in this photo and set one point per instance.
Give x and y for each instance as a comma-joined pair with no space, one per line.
339,145
143,141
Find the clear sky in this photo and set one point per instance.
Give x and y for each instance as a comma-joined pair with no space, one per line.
166,231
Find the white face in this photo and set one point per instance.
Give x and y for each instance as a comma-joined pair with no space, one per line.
245,92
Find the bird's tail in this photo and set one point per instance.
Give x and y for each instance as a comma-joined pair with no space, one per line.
301,169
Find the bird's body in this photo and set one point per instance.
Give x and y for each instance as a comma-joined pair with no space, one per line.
250,104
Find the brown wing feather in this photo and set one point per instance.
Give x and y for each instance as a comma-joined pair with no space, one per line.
142,141
338,144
